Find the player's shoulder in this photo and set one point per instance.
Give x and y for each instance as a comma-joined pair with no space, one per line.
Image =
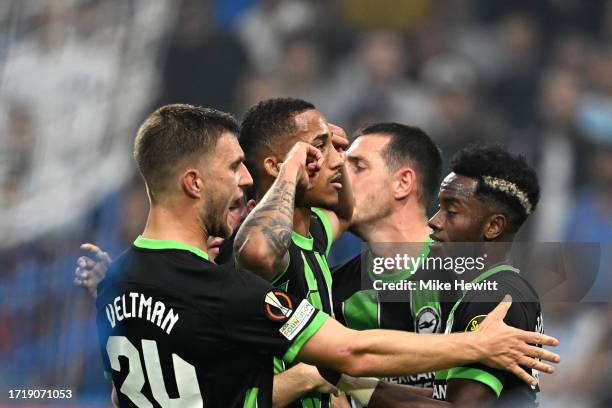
514,284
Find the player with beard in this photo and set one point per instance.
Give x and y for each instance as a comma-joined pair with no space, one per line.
395,170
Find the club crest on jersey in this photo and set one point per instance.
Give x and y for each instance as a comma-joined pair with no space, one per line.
474,323
278,305
427,320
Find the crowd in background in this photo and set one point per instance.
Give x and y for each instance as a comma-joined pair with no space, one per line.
533,75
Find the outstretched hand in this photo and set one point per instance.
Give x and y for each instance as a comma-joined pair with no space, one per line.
509,348
89,272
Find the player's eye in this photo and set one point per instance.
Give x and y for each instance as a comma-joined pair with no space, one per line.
451,213
320,146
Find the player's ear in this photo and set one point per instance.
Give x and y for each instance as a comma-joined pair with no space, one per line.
272,165
192,183
495,226
403,182
250,205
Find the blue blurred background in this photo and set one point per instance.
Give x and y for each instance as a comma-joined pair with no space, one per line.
78,76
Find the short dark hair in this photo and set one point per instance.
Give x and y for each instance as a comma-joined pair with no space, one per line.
410,145
174,133
265,125
505,180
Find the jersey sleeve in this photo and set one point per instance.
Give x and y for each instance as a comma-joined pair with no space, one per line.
266,318
467,318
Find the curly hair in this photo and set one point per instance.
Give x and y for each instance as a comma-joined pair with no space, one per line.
505,181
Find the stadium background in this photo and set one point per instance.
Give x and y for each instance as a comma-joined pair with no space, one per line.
77,77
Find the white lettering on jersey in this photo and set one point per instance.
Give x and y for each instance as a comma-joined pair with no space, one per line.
157,313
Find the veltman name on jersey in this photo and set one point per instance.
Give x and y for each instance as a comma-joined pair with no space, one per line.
141,307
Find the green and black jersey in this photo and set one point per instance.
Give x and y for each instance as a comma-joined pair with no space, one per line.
471,309
359,306
177,330
307,276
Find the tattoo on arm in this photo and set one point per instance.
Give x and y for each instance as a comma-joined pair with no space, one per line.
273,216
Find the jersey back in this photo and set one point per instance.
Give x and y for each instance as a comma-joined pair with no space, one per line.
177,330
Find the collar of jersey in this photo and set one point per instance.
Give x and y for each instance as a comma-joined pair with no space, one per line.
303,242
150,243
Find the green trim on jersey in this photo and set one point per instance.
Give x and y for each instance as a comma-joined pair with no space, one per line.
326,226
475,374
361,310
150,243
250,398
314,297
301,241
304,336
108,375
327,276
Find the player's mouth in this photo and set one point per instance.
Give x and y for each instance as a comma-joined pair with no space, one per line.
215,246
236,202
336,181
437,241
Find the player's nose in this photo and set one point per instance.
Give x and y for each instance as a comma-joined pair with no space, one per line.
245,177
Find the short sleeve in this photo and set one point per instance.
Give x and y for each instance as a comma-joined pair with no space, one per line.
467,318
266,318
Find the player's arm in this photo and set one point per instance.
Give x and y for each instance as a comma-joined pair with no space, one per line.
264,237
392,353
340,219
296,382
89,272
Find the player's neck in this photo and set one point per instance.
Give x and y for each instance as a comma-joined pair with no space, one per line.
164,224
405,225
301,221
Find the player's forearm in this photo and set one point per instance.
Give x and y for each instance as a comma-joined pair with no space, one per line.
291,384
391,353
265,235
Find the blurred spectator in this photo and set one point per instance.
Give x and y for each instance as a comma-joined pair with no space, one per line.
458,118
262,29
558,148
204,64
378,72
590,219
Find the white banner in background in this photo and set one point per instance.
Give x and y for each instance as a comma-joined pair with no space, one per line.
76,80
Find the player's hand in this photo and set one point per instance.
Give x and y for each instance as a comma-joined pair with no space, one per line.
89,272
307,159
340,401
509,348
340,140
319,383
